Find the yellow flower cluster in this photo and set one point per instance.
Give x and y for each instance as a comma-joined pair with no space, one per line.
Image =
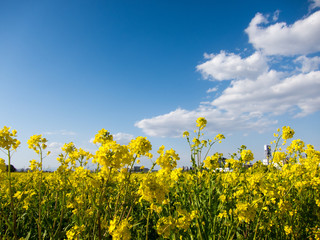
75,232
212,162
8,139
236,201
287,132
246,156
245,212
153,189
219,137
279,157
185,134
169,225
102,136
113,155
167,159
141,147
201,123
2,165
120,230
37,142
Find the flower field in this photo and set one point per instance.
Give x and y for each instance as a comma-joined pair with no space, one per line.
277,201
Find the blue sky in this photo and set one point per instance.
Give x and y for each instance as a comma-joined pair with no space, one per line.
150,68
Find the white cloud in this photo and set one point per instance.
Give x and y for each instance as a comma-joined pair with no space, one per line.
245,105
314,4
214,89
257,93
308,64
272,93
122,138
60,132
55,147
276,16
171,124
226,66
301,90
247,95
302,37
176,122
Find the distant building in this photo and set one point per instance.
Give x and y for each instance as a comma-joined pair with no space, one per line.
267,152
138,169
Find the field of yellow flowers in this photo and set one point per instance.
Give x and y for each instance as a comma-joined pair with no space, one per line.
278,201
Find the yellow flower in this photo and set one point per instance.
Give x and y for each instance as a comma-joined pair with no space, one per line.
167,160
246,155
223,214
165,225
102,136
287,132
296,146
2,165
222,198
140,146
155,208
120,230
288,230
33,165
245,212
219,137
18,195
196,142
8,140
278,157
212,162
112,154
186,134
153,188
75,231
201,122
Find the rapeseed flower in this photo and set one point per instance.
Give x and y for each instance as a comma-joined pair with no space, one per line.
201,122
102,136
140,146
287,132
8,139
120,230
246,155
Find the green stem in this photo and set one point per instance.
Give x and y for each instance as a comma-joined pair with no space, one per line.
40,197
11,197
147,228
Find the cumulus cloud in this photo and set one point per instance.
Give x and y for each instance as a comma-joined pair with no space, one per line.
302,37
257,94
273,93
55,147
214,89
122,138
314,4
176,122
276,16
60,132
171,124
245,105
227,66
308,64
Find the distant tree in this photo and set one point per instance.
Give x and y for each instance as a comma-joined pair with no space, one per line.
12,168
